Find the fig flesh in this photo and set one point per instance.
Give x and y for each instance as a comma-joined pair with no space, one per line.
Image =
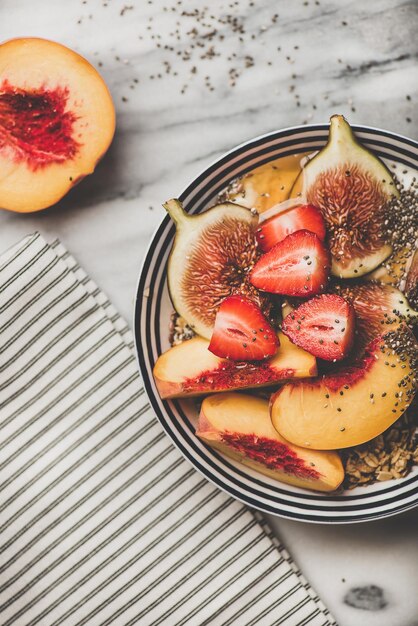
352,188
212,255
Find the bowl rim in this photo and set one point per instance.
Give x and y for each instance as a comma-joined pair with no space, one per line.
137,310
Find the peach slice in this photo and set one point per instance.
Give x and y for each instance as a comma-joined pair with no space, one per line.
57,120
266,185
239,426
189,369
353,405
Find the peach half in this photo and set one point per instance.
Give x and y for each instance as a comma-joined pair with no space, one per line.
57,120
239,426
356,403
189,369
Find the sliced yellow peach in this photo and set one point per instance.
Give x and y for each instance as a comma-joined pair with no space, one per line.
189,369
353,405
239,426
57,119
266,185
297,188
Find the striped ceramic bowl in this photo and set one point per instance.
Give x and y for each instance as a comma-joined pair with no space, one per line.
152,316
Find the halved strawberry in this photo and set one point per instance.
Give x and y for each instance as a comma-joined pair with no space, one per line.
297,266
241,331
276,228
323,326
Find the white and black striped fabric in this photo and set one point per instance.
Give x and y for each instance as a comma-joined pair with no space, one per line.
102,521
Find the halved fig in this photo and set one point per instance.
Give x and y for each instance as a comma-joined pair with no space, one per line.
189,369
56,121
356,402
212,255
239,426
378,308
352,188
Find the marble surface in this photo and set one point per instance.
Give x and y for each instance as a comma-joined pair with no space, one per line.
357,58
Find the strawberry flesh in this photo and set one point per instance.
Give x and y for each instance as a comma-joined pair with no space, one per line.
323,326
296,266
276,228
241,332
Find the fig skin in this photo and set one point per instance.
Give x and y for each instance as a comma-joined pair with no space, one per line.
352,188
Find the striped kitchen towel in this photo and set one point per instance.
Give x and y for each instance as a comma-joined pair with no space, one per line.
101,519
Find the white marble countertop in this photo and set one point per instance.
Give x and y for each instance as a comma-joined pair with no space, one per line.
355,58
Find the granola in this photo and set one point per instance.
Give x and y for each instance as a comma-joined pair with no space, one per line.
390,455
